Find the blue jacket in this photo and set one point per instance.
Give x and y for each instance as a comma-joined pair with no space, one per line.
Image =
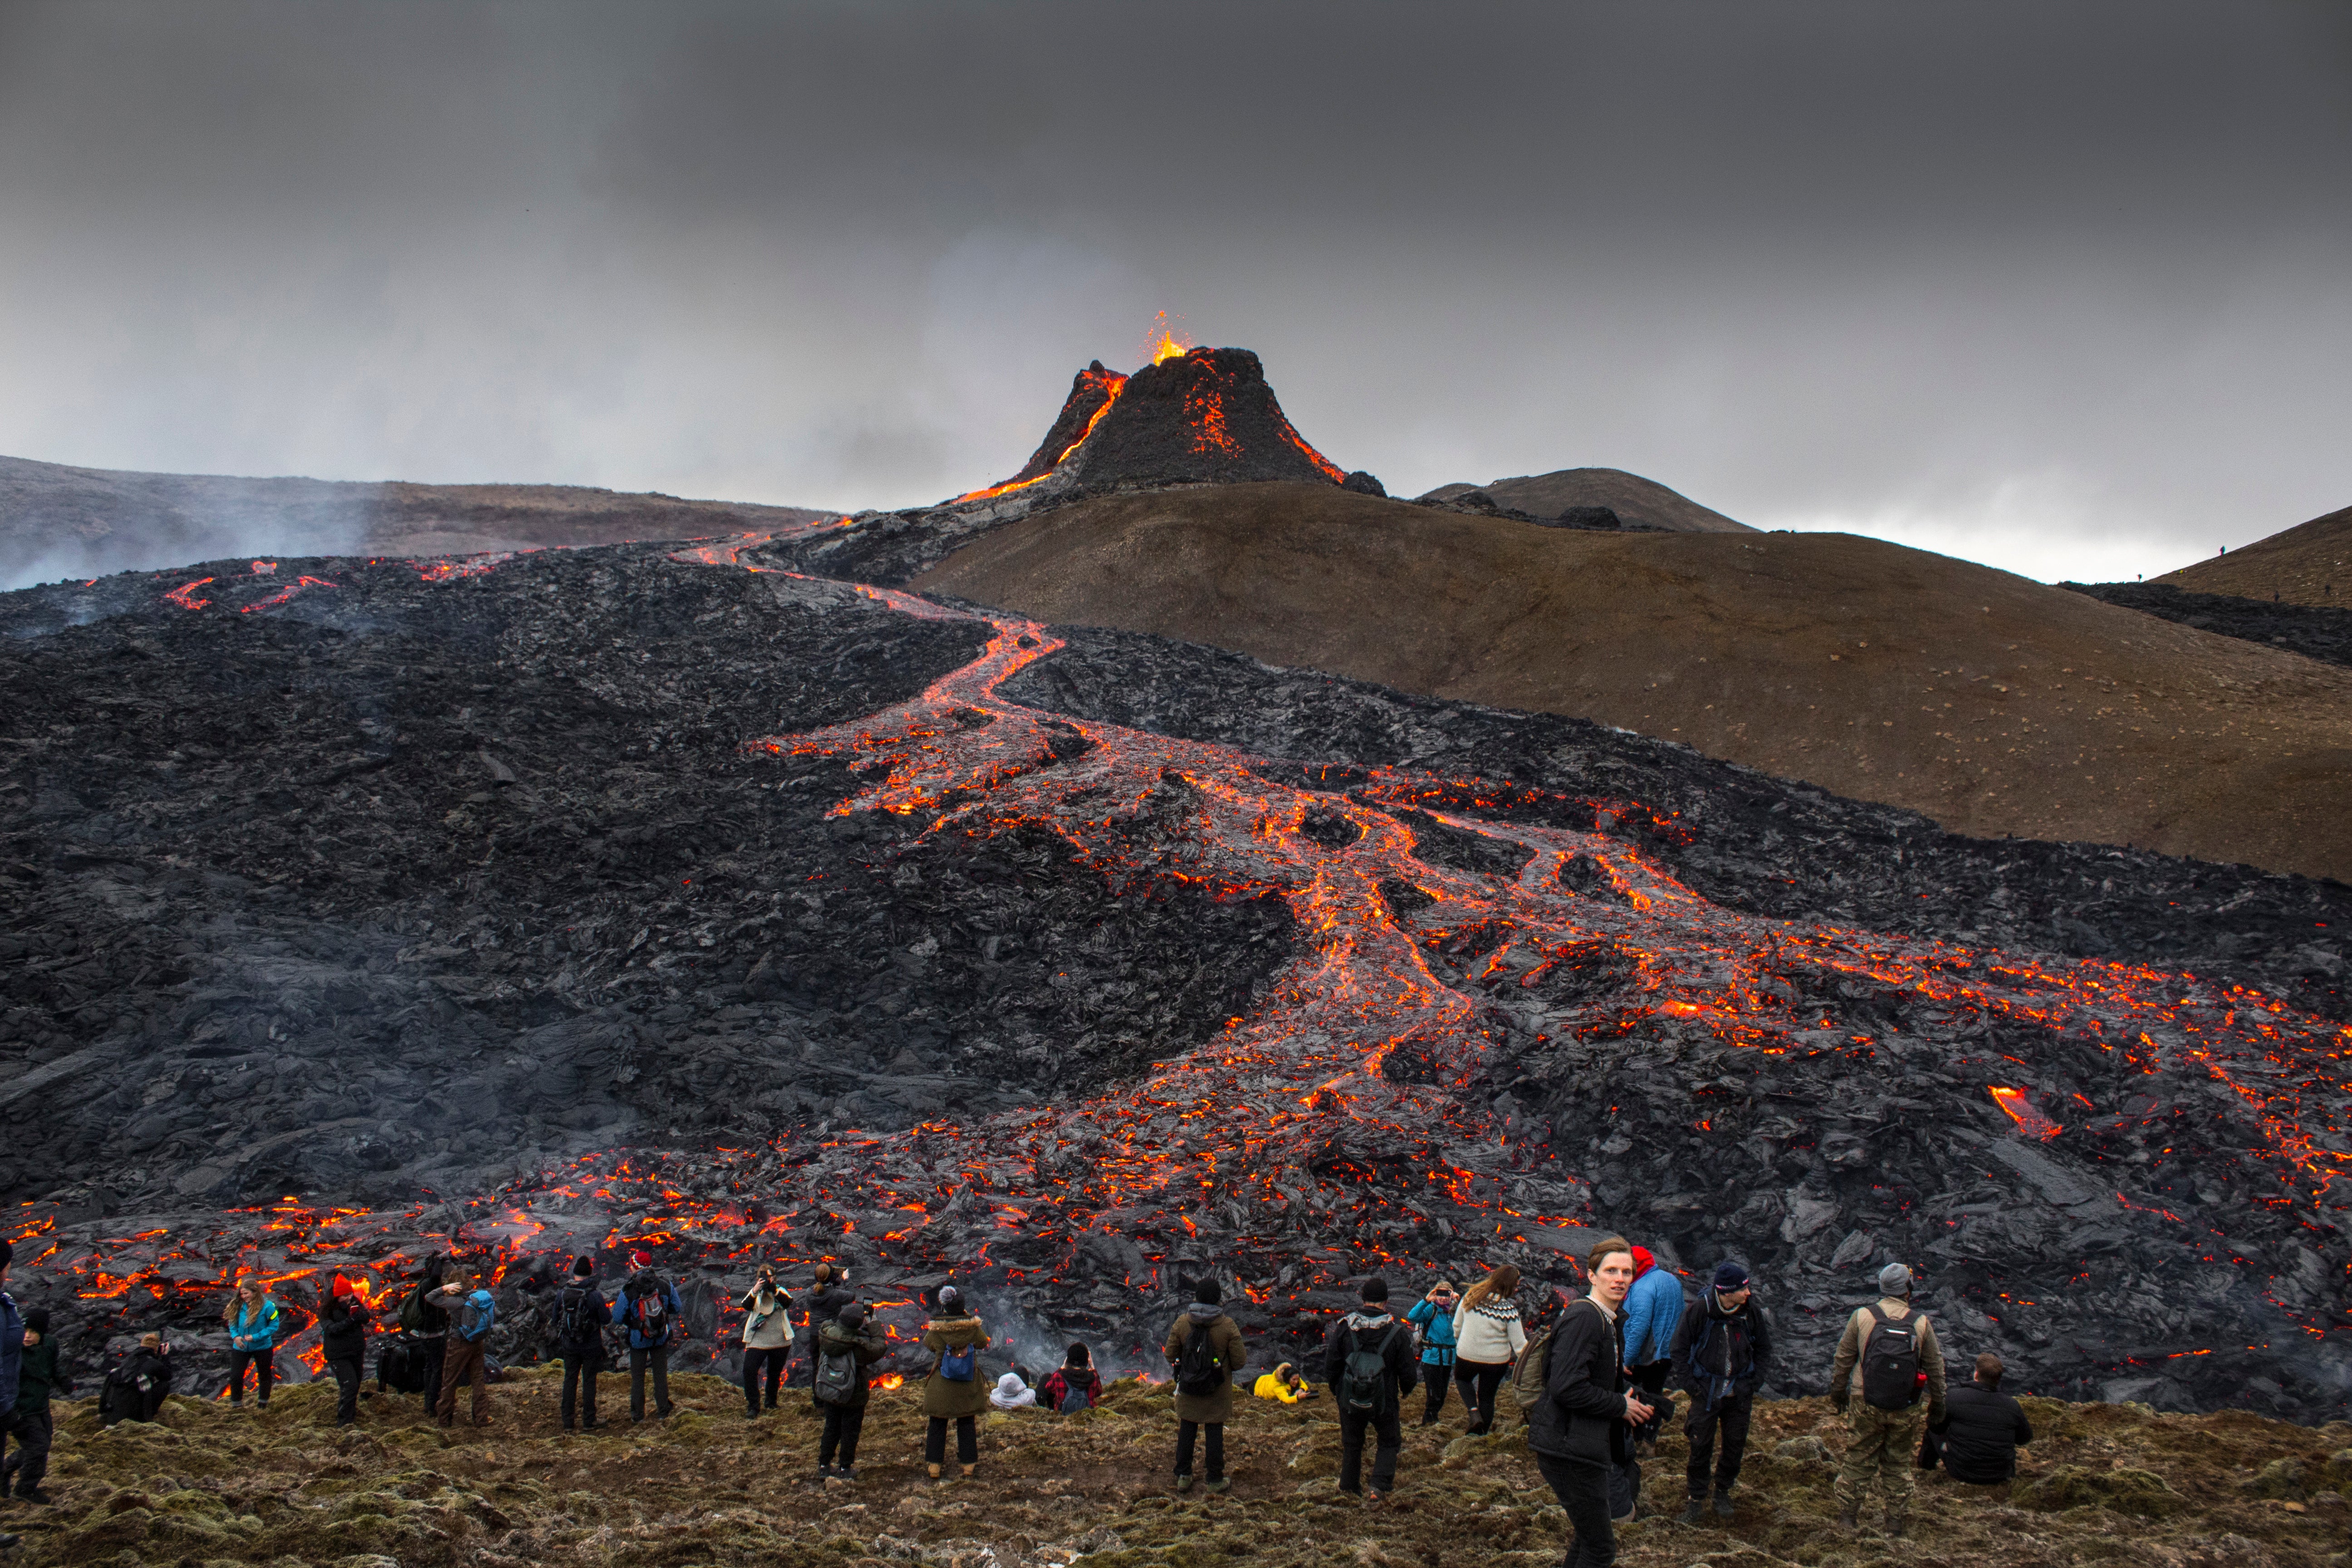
673,1325
12,1352
1436,1332
1653,1307
252,1330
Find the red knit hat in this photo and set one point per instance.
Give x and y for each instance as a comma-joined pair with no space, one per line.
1643,1261
343,1286
641,1260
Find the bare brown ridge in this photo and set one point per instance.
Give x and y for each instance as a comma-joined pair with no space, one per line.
2310,563
1993,704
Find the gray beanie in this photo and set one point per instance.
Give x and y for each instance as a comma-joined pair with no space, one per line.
1894,1280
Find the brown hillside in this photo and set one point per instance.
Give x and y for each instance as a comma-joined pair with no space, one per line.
1993,704
2310,563
1632,497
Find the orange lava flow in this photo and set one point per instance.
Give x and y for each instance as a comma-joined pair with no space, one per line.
1117,385
2020,1110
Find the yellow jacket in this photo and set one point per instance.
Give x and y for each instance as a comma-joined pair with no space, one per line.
1276,1384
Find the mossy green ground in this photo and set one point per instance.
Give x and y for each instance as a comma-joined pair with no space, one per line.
209,1486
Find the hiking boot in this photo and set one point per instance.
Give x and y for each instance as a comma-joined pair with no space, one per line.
592,1425
1374,1496
1221,1485
1895,1524
970,1471
36,1495
1184,1481
847,1473
1694,1512
934,1469
1723,1505
824,1472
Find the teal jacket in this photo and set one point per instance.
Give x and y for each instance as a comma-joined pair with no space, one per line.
1436,1332
252,1330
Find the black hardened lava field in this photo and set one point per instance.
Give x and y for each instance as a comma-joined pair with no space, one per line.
667,896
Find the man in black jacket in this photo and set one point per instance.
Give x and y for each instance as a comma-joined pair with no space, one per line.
1582,1429
1720,1348
1982,1427
1371,1331
579,1312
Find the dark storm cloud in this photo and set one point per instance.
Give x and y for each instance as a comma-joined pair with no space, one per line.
2056,286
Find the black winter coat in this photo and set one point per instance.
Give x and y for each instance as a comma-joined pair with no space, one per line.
1349,1335
1696,1342
827,1303
1980,1434
1582,1415
593,1314
342,1329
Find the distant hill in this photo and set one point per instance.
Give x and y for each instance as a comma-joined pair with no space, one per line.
2310,563
1993,704
1633,499
60,521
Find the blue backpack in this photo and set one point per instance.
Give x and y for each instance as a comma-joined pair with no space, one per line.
474,1319
957,1362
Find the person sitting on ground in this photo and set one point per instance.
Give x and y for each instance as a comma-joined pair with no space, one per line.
1282,1383
30,1427
1654,1310
844,1349
1011,1393
343,1339
135,1391
1204,1347
766,1338
1720,1350
953,1392
1073,1386
1487,1339
1982,1430
1368,1362
253,1322
1432,1316
473,1312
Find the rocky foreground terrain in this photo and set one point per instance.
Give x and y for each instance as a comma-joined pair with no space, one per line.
2100,1483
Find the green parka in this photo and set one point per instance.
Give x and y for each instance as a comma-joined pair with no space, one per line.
1216,1408
940,1395
868,1348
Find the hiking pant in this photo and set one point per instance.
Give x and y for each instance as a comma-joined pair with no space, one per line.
462,1361
759,1363
429,1352
843,1422
265,1372
1435,1379
935,1441
1187,1433
1650,1377
29,1431
347,1389
1882,1443
1583,1492
1386,1426
579,1384
1478,1380
658,1359
1730,1418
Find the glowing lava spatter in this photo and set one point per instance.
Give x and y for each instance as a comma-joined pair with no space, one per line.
1165,342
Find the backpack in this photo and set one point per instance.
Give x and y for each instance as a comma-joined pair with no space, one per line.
836,1376
123,1395
474,1319
648,1313
1533,1369
1365,1387
412,1309
1890,1378
1075,1397
1200,1369
573,1325
957,1362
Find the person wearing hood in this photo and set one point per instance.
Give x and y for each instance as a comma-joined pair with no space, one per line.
1888,1356
1432,1317
1073,1386
136,1390
581,1313
472,1311
1653,1309
30,1427
1204,1347
767,1338
342,1338
1720,1350
253,1322
844,1334
648,1306
1487,1339
831,1292
1368,1362
1281,1383
954,1391
1581,1428
1011,1393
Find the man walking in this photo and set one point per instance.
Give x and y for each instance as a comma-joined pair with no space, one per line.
1720,1353
1887,1364
1368,1362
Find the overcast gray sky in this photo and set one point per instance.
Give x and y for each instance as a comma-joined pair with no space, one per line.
2061,287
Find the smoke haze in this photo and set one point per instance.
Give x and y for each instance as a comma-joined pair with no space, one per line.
2059,289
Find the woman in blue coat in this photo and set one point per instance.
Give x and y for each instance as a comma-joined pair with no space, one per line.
1433,1315
1654,1310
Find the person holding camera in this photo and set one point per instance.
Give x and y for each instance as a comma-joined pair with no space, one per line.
766,1338
1581,1428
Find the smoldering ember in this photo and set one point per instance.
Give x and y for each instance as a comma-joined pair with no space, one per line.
733,902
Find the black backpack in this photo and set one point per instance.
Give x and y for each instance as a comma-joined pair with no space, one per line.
837,1375
1200,1369
1365,1387
574,1324
123,1395
1075,1396
1891,1379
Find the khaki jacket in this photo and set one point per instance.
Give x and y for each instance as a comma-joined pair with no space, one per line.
1846,1373
1216,1408
940,1395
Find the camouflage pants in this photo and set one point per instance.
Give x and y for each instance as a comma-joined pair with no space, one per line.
1883,1442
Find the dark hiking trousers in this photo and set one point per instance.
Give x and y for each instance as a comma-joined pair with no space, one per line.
658,1359
580,1385
1389,1436
843,1422
1188,1433
1435,1380
28,1434
760,1364
265,1372
1730,1418
347,1389
462,1362
1583,1492
935,1441
1478,1380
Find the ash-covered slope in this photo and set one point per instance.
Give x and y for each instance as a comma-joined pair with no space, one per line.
1644,503
2313,631
2310,563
